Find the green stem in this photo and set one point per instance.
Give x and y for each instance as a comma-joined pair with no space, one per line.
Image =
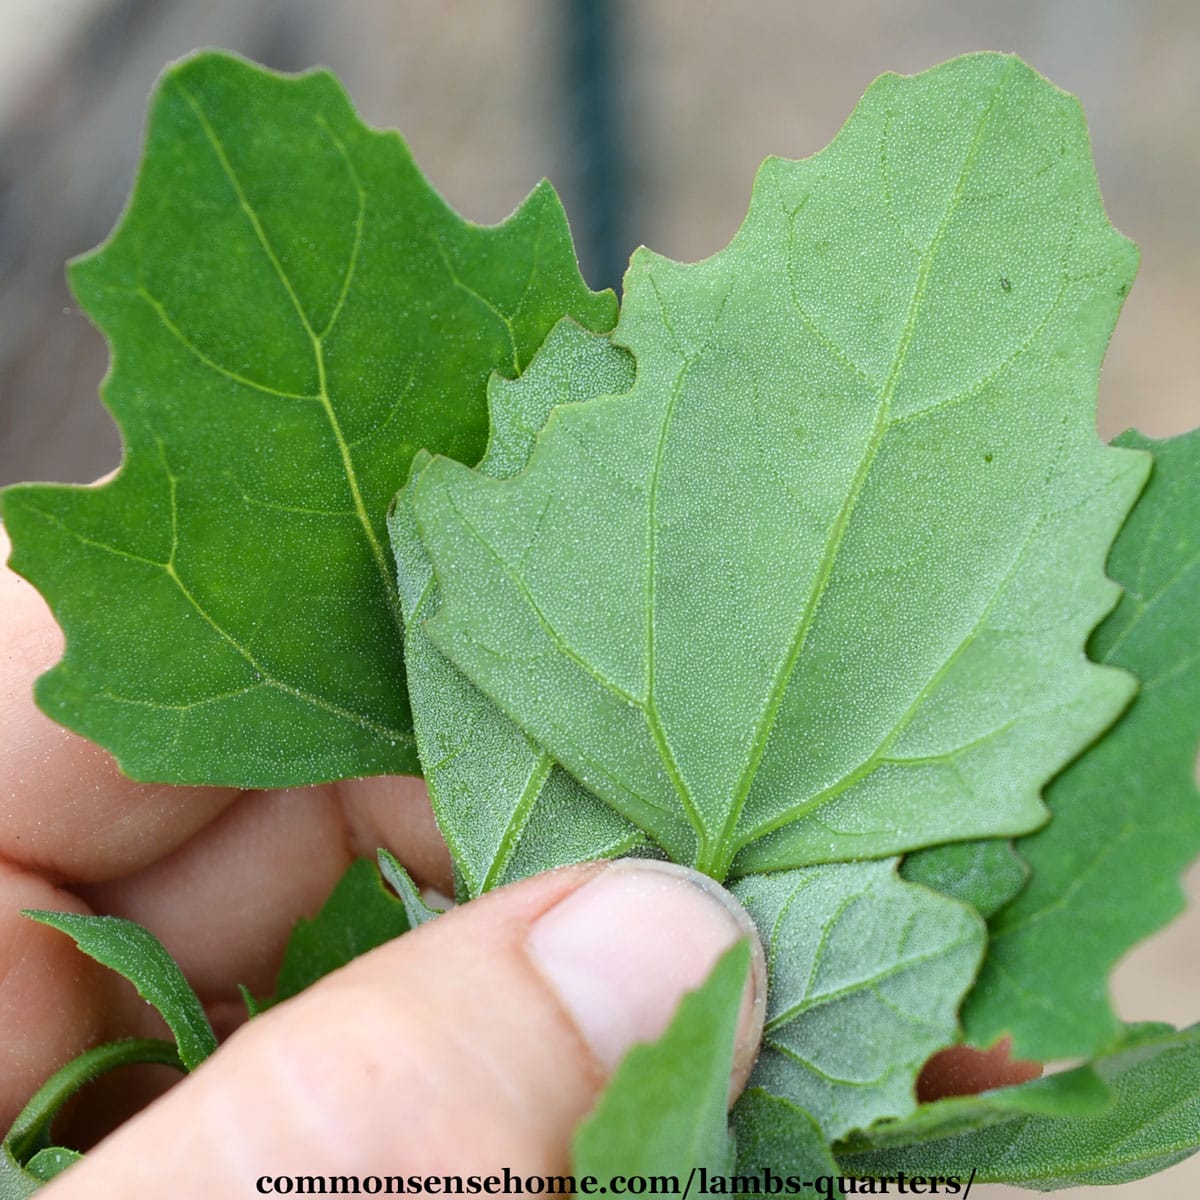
33,1122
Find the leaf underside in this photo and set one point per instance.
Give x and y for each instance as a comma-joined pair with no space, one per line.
866,974
817,588
293,312
812,586
1073,1093
1126,817
506,809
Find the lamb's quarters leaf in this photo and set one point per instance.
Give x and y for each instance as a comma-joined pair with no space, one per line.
572,365
16,1183
360,914
1152,1123
1126,815
664,1110
292,312
134,952
984,874
866,974
401,882
52,1161
818,587
1078,1092
773,1135
506,809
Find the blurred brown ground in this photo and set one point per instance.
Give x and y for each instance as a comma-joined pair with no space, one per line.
708,91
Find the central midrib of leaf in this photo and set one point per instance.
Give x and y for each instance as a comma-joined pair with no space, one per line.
716,855
316,337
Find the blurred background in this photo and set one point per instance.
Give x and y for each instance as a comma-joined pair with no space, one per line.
651,119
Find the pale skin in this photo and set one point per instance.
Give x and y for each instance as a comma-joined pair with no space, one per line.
452,1034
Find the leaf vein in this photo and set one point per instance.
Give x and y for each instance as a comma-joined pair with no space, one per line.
842,520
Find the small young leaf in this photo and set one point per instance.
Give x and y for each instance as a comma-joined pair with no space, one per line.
293,312
664,1110
1127,815
416,911
134,952
817,588
866,974
986,875
359,915
506,809
54,1160
1153,1122
773,1135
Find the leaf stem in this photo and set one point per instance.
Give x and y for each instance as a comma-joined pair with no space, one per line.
33,1122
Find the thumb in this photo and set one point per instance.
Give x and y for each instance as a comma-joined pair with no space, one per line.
473,1044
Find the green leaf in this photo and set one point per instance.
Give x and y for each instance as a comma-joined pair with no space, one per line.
1153,1122
664,1110
866,974
416,910
506,809
1079,1092
52,1161
986,874
817,588
1126,815
135,953
773,1135
359,915
293,312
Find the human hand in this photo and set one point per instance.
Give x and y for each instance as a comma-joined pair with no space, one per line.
474,1043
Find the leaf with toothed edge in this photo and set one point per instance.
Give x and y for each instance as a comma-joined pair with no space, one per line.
359,914
817,588
506,809
293,313
866,973
1126,816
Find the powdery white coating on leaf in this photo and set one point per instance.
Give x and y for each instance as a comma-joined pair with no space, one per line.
866,973
817,589
506,809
